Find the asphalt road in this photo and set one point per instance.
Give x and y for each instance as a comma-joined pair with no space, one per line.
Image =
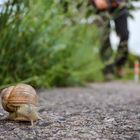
105,111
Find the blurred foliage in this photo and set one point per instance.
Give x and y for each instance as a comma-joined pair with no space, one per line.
43,46
48,43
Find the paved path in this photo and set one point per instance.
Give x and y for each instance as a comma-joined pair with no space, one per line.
107,111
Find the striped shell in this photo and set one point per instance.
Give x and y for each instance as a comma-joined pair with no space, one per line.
16,95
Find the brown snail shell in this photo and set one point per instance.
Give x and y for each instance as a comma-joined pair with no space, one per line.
19,94
20,101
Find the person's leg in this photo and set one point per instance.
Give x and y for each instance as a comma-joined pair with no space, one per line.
121,27
105,49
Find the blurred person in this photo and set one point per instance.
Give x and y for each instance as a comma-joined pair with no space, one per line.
113,10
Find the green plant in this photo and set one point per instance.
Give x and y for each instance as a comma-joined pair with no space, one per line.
48,43
45,47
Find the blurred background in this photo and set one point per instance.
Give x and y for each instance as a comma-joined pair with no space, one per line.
134,31
48,44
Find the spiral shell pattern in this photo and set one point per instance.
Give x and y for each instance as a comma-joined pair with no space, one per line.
17,95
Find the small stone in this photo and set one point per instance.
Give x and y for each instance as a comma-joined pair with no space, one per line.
1,114
61,119
109,120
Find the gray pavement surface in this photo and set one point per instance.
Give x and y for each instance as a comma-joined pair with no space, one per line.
100,111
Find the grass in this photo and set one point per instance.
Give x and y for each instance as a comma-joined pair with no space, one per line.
39,48
44,46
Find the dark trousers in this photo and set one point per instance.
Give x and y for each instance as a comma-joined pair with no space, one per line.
121,28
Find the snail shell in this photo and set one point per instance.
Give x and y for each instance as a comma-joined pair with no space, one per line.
19,94
20,101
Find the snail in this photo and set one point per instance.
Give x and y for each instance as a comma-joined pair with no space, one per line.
20,101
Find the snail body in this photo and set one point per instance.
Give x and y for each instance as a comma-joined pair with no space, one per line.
20,101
